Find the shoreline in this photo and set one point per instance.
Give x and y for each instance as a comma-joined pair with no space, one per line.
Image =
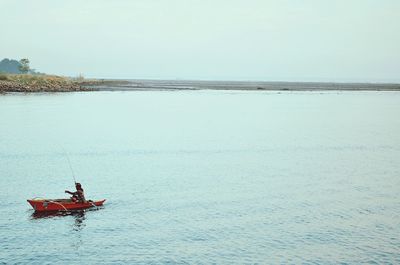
151,85
50,84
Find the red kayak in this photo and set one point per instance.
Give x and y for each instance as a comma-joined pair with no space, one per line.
48,205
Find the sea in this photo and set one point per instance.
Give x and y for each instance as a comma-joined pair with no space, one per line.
202,177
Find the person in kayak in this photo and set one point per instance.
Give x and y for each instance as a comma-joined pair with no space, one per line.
79,195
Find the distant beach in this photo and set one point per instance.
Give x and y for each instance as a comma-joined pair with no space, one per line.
143,84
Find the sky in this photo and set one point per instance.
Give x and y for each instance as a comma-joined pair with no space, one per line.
310,40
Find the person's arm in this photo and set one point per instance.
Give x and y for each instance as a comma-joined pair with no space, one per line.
72,193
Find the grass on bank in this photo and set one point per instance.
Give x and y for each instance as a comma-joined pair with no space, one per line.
44,80
35,80
3,77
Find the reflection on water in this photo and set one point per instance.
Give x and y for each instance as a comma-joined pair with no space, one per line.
77,225
79,217
76,213
40,215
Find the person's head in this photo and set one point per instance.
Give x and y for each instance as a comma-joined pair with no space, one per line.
78,186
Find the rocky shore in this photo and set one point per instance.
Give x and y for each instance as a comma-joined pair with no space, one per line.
39,83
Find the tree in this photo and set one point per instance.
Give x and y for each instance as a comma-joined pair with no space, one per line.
9,66
24,66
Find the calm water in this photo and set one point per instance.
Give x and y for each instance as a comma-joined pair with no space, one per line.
203,177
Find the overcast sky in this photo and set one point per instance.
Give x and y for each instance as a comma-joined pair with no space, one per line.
321,40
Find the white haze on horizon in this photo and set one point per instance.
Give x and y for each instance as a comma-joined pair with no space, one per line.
355,41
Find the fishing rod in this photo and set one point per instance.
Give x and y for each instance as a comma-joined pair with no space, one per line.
72,170
70,166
